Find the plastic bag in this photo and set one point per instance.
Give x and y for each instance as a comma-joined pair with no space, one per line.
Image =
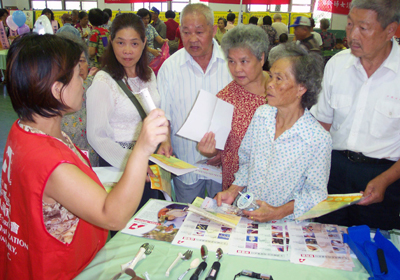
156,63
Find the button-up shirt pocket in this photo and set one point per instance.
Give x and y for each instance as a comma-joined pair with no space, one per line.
386,118
341,104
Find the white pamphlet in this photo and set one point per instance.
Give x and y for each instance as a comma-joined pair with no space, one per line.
209,113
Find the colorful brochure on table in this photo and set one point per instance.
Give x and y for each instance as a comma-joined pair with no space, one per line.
209,113
172,164
332,203
319,245
161,181
158,219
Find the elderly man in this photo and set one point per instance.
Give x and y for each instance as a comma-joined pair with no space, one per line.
159,25
360,106
199,65
278,25
302,32
67,26
75,17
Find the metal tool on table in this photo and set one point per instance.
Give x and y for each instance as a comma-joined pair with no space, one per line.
193,264
127,268
199,270
186,256
212,275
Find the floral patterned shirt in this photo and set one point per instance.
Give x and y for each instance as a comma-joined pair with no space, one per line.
295,166
151,35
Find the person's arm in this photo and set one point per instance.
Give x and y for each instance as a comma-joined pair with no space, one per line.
376,188
163,31
100,134
93,44
268,212
78,193
160,40
153,51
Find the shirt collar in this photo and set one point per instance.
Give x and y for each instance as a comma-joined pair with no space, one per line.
216,55
392,62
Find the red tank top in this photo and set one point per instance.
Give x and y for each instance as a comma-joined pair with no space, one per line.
27,250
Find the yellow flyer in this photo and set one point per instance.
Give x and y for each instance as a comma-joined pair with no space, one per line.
161,181
172,164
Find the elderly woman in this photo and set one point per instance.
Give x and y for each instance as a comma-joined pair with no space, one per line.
221,30
284,158
328,38
60,210
271,32
246,48
151,34
74,124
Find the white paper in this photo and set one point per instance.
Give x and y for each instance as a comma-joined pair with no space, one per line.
209,171
209,113
108,174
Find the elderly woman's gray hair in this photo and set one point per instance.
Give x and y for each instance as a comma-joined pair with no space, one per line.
388,10
324,23
307,68
249,37
75,39
199,8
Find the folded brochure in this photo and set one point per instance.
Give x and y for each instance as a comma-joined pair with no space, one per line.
172,164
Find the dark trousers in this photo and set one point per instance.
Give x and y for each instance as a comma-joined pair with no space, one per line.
147,192
351,177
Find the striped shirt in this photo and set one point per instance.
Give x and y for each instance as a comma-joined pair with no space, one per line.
179,80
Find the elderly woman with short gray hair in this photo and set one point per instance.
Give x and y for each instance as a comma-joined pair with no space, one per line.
246,49
284,158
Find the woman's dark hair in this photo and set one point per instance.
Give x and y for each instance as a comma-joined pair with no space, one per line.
82,14
45,11
3,11
96,17
170,14
224,20
267,20
143,12
231,17
108,12
109,60
105,18
253,20
34,63
283,38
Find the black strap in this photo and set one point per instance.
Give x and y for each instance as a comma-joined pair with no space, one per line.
133,98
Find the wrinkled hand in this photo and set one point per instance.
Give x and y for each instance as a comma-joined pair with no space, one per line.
215,161
207,144
228,196
374,192
263,214
93,71
165,149
165,41
154,131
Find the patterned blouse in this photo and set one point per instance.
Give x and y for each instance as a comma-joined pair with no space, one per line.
295,166
245,103
151,35
272,35
328,40
74,125
59,222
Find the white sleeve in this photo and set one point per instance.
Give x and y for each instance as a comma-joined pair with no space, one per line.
323,111
100,134
163,89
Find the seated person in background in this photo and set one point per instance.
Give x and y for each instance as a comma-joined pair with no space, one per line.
302,33
74,124
83,26
246,48
67,26
230,18
60,211
98,39
253,20
113,122
221,30
339,44
284,158
328,38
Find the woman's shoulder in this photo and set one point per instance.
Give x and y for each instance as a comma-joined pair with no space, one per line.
319,133
102,76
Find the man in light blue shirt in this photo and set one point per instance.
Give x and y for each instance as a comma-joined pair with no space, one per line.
67,26
199,65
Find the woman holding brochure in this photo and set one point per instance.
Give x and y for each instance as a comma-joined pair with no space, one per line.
60,213
113,121
246,48
285,156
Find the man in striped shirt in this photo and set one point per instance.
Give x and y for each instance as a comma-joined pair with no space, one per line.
199,65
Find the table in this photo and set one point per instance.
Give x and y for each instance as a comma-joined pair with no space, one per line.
122,248
3,59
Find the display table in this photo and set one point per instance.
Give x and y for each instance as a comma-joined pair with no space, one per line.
3,59
123,248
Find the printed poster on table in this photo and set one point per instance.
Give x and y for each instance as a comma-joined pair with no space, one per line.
158,219
319,245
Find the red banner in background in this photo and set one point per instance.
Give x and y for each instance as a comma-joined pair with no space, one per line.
334,6
246,2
